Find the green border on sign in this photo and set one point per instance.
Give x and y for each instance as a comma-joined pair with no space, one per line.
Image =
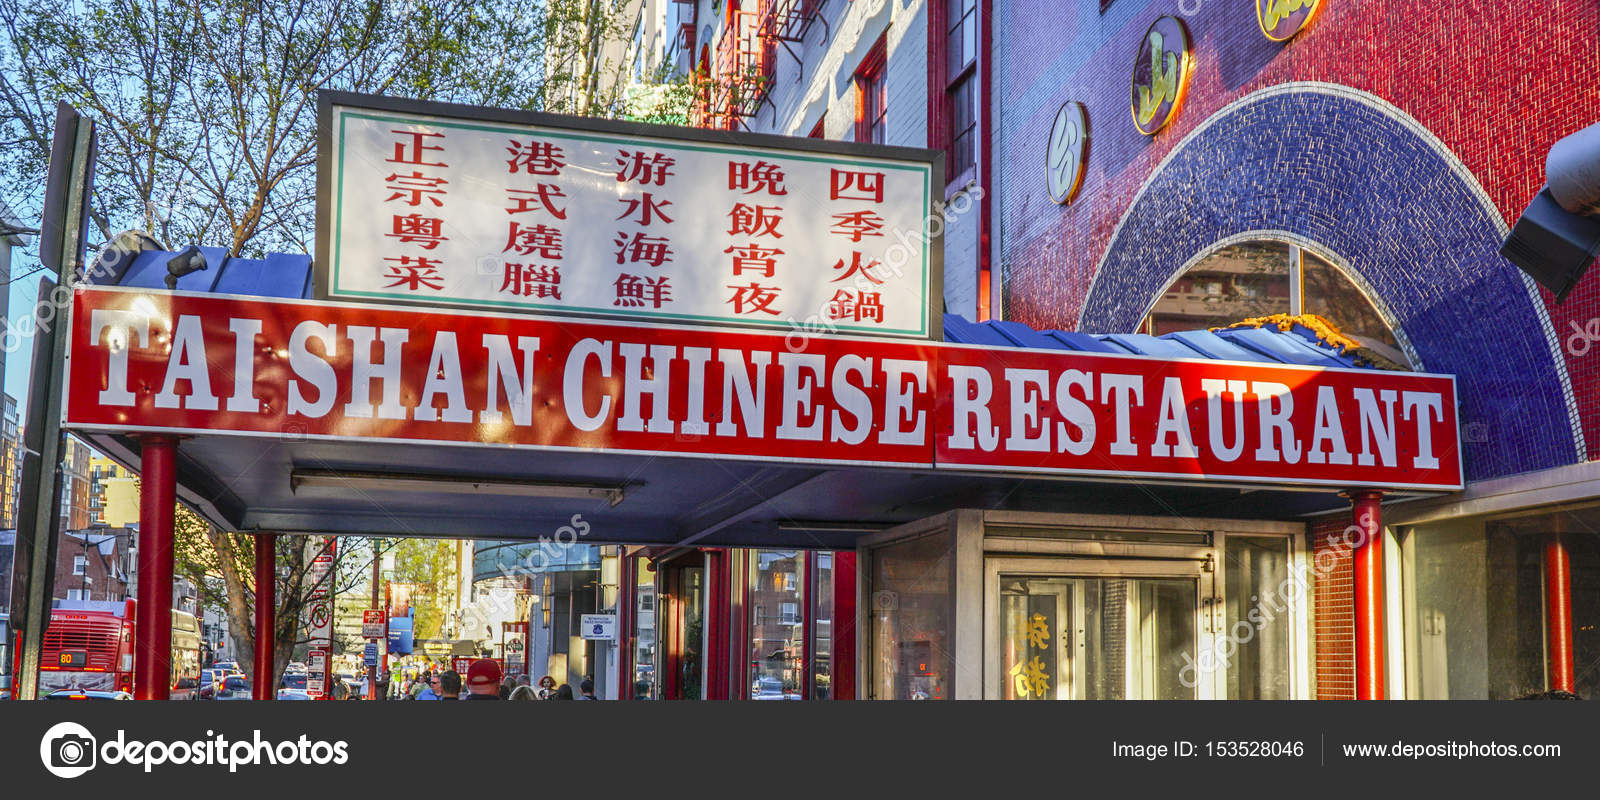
334,289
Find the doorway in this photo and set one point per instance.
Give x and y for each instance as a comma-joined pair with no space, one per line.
1097,629
681,589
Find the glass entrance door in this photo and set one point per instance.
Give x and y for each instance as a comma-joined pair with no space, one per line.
1084,629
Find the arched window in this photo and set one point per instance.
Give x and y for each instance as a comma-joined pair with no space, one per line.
1263,277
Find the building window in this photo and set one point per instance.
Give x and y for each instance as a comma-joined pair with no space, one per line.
80,565
1474,600
961,85
777,640
910,617
77,594
1263,278
822,627
872,98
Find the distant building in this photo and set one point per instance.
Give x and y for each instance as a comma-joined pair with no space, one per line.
10,463
113,493
97,564
75,485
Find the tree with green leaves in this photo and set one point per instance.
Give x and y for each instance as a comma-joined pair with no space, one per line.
207,108
207,122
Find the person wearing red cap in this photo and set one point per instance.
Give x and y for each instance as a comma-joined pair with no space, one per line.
483,680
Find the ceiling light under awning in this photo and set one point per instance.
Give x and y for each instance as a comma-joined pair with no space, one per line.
401,482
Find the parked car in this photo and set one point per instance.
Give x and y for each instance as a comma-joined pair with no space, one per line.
767,688
293,680
73,694
234,687
230,666
295,667
293,694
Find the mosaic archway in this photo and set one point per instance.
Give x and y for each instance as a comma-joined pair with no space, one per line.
1362,179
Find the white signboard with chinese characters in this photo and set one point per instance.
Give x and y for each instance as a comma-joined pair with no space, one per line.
496,209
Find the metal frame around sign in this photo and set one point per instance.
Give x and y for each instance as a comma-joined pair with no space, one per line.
327,100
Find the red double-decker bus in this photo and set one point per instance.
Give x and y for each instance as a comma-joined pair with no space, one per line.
89,647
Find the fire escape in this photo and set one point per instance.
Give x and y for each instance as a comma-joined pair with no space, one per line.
788,21
733,85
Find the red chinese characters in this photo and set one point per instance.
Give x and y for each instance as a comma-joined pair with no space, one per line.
419,188
751,221
533,231
650,243
858,303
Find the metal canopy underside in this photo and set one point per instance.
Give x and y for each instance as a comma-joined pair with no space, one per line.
245,483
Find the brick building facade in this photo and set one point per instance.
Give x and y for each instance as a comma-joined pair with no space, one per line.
1372,159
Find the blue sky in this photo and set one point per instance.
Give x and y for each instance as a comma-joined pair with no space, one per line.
24,293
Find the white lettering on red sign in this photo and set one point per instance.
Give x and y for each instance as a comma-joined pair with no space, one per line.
163,361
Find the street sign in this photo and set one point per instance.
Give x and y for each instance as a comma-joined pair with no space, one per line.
456,205
373,624
601,627
316,672
369,656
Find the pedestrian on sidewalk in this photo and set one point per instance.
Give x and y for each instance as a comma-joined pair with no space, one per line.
426,687
483,680
586,690
448,686
563,693
547,688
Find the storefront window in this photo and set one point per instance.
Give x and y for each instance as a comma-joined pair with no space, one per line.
1474,610
822,628
777,633
910,607
644,632
1260,621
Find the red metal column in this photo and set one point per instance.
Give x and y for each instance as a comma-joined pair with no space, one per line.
844,625
1558,613
717,612
261,687
808,621
152,655
1368,568
626,635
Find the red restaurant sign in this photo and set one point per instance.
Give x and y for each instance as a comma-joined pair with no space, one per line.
145,360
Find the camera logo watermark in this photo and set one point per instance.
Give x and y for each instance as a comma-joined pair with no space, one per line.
68,750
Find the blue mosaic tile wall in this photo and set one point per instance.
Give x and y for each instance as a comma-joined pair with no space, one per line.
1371,191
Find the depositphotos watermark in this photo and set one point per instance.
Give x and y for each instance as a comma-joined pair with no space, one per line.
69,750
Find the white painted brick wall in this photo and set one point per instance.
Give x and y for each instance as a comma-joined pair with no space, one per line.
824,84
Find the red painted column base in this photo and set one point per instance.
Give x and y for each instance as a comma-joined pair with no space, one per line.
263,684
1367,567
152,652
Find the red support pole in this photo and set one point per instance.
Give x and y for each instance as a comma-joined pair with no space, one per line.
844,625
808,624
1368,568
152,657
261,688
1558,614
625,625
717,613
